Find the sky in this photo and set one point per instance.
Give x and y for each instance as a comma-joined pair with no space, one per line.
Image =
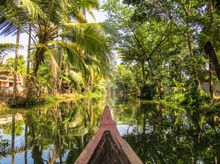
100,16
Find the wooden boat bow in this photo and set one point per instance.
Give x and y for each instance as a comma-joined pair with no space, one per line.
107,146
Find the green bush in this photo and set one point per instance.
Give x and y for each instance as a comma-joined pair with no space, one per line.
175,97
195,97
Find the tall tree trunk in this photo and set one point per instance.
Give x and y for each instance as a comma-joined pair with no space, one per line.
90,80
28,79
210,51
143,72
38,60
194,74
59,78
16,64
29,51
211,85
208,47
187,10
54,78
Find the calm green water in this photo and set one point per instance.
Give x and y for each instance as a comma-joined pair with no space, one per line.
157,133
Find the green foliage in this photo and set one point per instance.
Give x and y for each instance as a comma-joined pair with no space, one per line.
94,95
175,98
6,47
9,64
62,42
125,80
49,99
195,97
163,43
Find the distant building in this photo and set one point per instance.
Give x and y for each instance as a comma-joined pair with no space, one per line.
7,81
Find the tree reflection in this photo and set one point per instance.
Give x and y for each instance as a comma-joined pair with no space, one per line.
173,135
13,138
160,134
63,129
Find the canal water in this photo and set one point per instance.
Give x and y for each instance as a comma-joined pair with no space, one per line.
158,133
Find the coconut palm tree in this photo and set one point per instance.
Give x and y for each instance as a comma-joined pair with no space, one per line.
81,41
13,17
12,13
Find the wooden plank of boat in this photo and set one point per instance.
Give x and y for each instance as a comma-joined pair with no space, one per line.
107,146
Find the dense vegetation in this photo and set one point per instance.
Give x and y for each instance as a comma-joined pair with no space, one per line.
162,50
64,52
167,49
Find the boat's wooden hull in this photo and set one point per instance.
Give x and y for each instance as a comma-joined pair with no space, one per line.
107,146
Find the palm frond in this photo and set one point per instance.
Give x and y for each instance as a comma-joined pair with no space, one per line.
11,17
7,47
89,5
90,38
52,9
33,9
101,67
76,77
74,53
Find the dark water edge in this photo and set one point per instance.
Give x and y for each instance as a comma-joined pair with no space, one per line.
157,133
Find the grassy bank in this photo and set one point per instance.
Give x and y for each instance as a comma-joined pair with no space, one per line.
48,99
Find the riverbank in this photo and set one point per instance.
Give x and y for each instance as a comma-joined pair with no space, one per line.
48,99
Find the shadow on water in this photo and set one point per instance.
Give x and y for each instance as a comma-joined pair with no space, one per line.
157,133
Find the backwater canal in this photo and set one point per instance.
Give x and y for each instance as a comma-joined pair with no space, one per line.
157,133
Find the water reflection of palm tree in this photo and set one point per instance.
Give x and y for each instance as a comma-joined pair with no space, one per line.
66,127
85,131
26,142
13,138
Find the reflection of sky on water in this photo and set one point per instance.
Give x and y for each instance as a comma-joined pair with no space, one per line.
20,157
4,136
125,129
19,140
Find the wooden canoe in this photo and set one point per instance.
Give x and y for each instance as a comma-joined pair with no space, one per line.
107,146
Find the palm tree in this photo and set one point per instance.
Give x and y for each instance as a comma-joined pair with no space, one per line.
12,18
82,42
16,64
11,13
